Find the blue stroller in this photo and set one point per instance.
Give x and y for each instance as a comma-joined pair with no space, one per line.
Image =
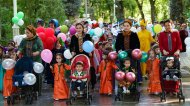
23,65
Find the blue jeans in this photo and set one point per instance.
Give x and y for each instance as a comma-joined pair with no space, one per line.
75,84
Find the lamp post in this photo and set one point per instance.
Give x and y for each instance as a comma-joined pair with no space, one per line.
86,9
15,27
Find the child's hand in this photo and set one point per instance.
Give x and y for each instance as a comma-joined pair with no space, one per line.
51,67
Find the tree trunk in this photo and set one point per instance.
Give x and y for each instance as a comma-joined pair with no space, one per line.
140,5
153,12
119,10
176,10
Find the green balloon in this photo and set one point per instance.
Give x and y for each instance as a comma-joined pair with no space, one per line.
15,20
20,15
144,57
122,55
64,29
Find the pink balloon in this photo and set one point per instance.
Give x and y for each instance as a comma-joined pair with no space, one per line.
46,55
72,30
137,54
119,76
130,76
113,55
62,36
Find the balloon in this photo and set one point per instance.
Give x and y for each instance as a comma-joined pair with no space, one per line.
72,30
88,46
144,57
113,55
62,36
187,41
91,32
133,29
42,36
122,55
67,54
119,76
95,39
157,28
137,54
46,55
56,23
98,32
130,76
8,64
64,29
100,20
38,67
49,41
18,38
20,15
15,20
29,79
20,22
40,29
49,32
54,38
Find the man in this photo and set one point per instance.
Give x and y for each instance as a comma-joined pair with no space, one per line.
145,38
169,40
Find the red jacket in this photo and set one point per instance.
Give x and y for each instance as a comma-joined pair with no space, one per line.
176,42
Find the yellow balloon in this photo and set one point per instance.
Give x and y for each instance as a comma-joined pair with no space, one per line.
157,28
100,20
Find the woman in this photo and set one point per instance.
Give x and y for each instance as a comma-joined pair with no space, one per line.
78,39
128,40
31,46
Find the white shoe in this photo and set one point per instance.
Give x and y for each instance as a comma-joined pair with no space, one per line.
167,77
128,91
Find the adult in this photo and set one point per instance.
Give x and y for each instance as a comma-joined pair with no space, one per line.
31,46
78,39
145,38
169,40
40,23
170,45
128,41
183,34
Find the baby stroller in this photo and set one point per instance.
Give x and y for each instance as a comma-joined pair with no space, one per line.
23,65
170,84
86,95
133,88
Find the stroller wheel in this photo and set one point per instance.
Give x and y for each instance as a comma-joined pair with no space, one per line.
26,100
8,100
182,98
90,97
12,99
35,95
30,100
89,101
69,102
117,98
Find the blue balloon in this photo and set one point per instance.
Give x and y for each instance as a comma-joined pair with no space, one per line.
88,46
56,22
91,32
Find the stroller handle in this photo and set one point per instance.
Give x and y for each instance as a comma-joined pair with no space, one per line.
73,77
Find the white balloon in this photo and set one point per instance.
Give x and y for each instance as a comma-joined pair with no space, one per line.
98,32
29,79
8,64
38,67
95,39
133,29
187,41
67,54
20,22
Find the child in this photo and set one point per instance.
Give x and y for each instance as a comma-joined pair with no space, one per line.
156,48
61,90
8,88
154,86
79,78
127,68
105,68
170,65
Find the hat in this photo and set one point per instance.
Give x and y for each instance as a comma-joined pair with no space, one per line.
143,23
169,58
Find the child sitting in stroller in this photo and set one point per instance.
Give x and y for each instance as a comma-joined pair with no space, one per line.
170,64
79,78
127,68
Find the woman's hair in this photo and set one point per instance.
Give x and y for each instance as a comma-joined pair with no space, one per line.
32,29
153,52
127,21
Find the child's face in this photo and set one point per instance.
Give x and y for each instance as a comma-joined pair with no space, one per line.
79,68
58,59
127,63
157,50
152,55
58,44
170,63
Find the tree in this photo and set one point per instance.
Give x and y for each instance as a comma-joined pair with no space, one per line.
153,11
140,6
176,10
119,10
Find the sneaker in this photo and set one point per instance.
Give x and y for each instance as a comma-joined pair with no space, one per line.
56,99
175,78
109,94
167,77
